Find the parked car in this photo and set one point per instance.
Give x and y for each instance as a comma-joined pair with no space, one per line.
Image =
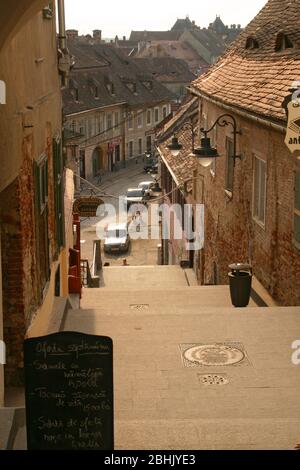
147,185
116,238
135,196
155,191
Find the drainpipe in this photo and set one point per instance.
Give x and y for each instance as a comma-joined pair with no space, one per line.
64,59
61,24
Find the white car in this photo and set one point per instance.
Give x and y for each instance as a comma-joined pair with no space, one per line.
116,238
135,196
147,185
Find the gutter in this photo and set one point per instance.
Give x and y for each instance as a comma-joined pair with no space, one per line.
169,169
247,115
78,113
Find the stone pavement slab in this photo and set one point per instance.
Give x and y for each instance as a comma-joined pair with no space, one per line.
143,277
164,299
164,401
6,422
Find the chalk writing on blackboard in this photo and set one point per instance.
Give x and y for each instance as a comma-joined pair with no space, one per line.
69,392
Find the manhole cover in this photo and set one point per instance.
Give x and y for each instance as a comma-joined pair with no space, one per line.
213,379
139,307
213,355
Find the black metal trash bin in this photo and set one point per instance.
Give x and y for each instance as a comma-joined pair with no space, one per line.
240,280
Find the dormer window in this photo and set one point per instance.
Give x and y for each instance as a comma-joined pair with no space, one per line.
74,89
96,93
131,86
148,84
283,42
252,43
110,88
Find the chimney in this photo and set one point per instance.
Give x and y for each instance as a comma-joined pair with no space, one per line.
97,35
72,34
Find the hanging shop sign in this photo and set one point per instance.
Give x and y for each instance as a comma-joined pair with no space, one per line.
87,206
292,108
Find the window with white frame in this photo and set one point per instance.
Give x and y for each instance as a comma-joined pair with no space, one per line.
82,128
109,122
297,208
148,117
130,149
140,146
98,124
140,119
156,114
259,190
165,110
116,119
130,121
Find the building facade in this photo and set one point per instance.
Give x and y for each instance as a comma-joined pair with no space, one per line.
114,105
177,182
252,202
36,192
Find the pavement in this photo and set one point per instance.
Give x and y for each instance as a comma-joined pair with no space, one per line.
163,400
190,371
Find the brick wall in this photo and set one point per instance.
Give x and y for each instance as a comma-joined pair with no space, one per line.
12,269
232,234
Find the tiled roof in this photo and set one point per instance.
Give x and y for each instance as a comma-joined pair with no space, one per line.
182,24
177,50
166,69
183,165
210,40
155,35
258,80
117,71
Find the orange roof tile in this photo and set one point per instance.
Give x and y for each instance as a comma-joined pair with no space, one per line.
258,79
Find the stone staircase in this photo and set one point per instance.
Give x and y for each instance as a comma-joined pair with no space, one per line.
164,400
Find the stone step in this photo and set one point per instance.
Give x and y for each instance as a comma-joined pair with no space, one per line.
164,300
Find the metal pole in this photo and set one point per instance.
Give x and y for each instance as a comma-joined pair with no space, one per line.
62,24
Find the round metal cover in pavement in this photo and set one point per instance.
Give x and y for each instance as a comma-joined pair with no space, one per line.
214,355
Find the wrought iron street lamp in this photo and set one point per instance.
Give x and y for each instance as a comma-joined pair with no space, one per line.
206,154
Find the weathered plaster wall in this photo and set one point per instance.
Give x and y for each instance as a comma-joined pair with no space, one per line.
28,123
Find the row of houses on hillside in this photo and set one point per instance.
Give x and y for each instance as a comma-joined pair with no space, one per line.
111,107
251,192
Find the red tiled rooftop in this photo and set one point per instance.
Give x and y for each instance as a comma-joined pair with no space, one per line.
258,80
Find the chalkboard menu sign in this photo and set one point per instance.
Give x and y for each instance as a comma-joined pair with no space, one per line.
69,392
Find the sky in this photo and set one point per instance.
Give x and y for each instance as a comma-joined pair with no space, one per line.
119,17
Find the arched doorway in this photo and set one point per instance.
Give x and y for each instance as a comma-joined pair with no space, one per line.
98,164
